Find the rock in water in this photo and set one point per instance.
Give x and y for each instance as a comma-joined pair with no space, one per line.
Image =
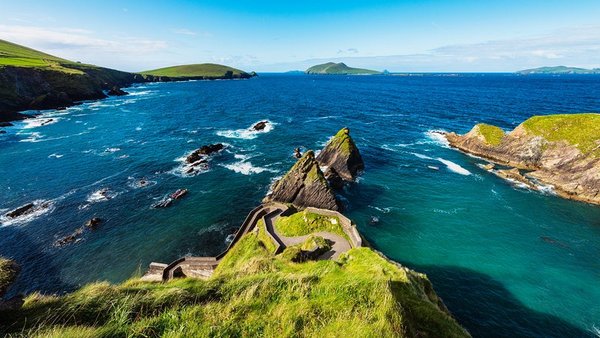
198,154
260,125
341,154
304,186
22,210
93,223
334,179
116,91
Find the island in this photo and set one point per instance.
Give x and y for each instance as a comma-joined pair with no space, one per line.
331,68
33,80
561,152
559,70
202,71
296,267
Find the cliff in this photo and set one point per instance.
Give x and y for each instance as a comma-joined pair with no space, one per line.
9,271
304,186
558,150
203,71
341,156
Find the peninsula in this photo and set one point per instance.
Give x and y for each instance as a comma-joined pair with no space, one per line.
562,151
294,268
331,68
33,80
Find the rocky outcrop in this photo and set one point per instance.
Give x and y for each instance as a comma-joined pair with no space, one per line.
9,271
342,155
93,223
260,125
116,91
562,151
304,186
204,151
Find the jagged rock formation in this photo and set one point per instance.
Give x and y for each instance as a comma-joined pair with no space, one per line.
560,150
304,186
9,271
341,157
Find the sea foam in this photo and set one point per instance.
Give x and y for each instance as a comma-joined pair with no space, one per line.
246,134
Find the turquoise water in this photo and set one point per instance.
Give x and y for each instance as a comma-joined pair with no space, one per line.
506,261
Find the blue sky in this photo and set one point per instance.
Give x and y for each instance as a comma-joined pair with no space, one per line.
278,36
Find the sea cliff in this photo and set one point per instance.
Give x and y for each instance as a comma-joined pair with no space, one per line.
562,151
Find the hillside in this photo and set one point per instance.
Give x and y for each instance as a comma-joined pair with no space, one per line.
202,70
253,292
562,151
341,68
559,70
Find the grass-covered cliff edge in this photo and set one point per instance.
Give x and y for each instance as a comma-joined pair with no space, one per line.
252,293
558,150
331,68
33,80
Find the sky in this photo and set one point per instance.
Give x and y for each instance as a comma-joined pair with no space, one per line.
263,36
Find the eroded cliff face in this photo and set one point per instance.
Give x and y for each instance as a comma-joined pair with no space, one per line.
548,157
304,186
341,157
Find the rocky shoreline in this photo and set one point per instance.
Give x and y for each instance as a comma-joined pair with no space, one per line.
542,150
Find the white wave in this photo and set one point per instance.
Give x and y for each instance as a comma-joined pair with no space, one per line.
55,155
39,122
33,137
454,167
40,208
247,134
141,93
112,150
437,137
101,195
138,128
423,157
140,183
384,210
246,168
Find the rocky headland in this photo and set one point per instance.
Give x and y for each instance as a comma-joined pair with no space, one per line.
341,157
562,151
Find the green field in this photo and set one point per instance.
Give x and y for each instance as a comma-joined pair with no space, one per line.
580,130
251,294
305,223
195,70
341,68
493,135
15,55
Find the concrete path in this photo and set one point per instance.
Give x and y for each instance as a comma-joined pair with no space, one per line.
340,244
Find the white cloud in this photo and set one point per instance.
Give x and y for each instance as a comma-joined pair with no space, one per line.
184,31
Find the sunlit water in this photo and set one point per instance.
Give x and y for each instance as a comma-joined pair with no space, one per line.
506,261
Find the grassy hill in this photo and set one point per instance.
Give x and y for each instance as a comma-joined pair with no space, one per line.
204,70
559,70
341,68
252,293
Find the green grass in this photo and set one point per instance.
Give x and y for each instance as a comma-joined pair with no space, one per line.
579,130
264,237
12,54
343,142
339,69
8,273
305,223
493,135
253,294
195,70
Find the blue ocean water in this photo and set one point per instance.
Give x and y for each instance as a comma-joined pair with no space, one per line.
506,261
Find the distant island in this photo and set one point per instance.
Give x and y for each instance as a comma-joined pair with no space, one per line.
202,70
559,70
331,68
33,80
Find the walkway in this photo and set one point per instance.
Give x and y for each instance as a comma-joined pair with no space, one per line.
203,267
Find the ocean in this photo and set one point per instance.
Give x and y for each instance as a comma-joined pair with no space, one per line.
506,261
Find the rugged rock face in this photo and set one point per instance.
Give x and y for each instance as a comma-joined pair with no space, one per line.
206,150
9,271
342,155
304,186
260,125
559,150
116,91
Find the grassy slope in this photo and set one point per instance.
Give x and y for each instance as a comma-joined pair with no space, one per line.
580,130
493,135
8,273
304,223
12,54
195,70
252,293
338,68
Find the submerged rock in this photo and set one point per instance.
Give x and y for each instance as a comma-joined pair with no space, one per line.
341,154
72,238
304,186
206,150
93,223
22,210
6,124
116,91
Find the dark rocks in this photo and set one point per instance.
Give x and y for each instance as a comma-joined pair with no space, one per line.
297,153
260,125
341,154
116,91
206,150
334,179
72,238
6,124
2,131
22,210
93,223
304,186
